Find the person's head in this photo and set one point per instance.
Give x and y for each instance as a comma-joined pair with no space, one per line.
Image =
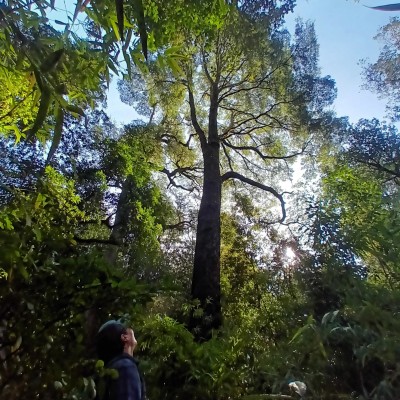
112,339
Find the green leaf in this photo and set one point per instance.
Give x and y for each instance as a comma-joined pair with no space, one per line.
28,220
113,67
174,52
329,317
309,322
17,344
38,79
57,133
37,233
18,134
75,110
128,63
115,29
42,113
175,67
322,349
23,271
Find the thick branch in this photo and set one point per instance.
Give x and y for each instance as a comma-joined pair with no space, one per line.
193,117
180,226
106,222
96,241
235,175
227,156
206,69
166,138
180,170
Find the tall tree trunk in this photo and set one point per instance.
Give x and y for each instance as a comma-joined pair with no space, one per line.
122,217
206,286
117,235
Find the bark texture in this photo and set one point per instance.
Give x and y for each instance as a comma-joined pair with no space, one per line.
121,223
206,272
206,287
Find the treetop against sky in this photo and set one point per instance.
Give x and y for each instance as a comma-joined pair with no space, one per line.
345,32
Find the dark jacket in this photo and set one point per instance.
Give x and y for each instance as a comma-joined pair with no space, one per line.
129,385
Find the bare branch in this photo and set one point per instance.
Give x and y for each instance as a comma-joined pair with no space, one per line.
229,75
181,225
250,117
244,131
259,153
205,68
248,162
167,138
257,83
152,114
235,175
180,170
227,156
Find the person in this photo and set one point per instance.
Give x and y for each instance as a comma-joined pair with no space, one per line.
115,345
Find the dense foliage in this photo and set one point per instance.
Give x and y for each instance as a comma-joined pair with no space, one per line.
99,221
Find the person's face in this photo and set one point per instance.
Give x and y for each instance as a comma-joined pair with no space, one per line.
129,338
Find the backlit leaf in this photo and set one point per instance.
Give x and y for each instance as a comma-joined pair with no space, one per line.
42,113
57,133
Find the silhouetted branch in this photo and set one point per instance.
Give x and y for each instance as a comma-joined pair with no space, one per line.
96,241
181,225
227,155
235,175
180,170
166,138
252,118
263,156
257,85
193,116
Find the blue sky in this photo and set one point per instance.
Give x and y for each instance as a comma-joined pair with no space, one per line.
345,31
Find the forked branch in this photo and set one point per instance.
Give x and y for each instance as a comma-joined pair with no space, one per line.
184,171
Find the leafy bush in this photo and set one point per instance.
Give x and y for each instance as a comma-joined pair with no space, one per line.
48,293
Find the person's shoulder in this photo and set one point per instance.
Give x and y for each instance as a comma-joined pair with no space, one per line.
122,361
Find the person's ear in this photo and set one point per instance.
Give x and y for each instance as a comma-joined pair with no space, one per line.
124,337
